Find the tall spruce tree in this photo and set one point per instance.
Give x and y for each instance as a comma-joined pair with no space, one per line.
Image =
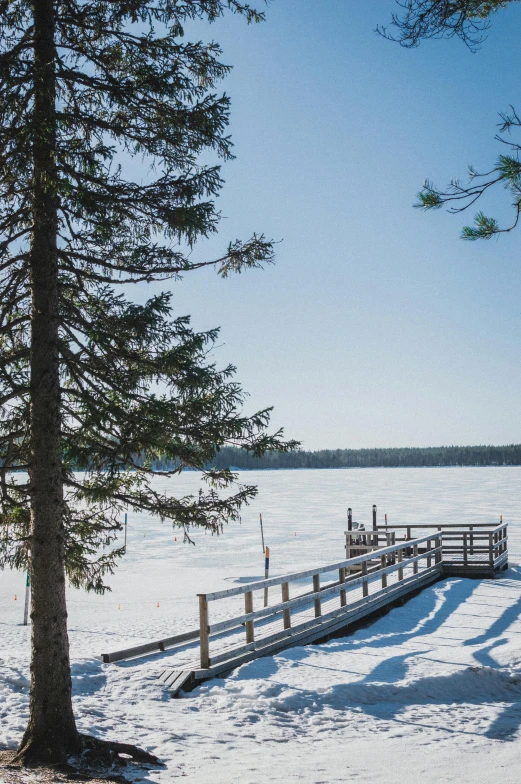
468,20
90,381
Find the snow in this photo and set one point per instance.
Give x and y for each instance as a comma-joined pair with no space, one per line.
431,692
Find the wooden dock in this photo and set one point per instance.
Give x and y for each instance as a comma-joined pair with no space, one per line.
384,565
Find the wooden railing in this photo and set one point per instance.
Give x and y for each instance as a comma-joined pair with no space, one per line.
378,555
476,544
373,566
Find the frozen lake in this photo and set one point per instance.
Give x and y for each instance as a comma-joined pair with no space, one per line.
439,677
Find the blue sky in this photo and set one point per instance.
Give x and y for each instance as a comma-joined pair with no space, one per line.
378,326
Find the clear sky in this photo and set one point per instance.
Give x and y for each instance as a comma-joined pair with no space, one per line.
378,326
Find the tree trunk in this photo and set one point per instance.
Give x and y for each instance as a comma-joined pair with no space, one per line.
51,734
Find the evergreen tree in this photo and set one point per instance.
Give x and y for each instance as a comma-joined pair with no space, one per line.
90,381
468,20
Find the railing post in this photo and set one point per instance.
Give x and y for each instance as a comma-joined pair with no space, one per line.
471,528
375,535
286,614
316,589
248,608
429,559
415,553
348,545
349,549
365,585
400,559
204,639
342,579
383,564
439,555
465,553
349,519
491,549
393,542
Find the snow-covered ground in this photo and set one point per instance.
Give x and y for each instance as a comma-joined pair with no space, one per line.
431,692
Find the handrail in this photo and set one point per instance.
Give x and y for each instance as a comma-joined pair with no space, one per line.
326,591
388,526
288,578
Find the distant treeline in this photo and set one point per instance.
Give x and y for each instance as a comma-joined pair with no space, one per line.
404,457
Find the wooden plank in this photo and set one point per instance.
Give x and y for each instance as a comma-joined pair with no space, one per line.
158,646
230,652
177,679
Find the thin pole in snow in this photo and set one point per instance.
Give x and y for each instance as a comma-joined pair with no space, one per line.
266,574
125,530
262,534
27,593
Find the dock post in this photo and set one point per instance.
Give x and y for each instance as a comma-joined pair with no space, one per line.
365,584
248,608
383,564
348,549
491,549
465,552
439,555
375,535
286,614
429,559
316,589
400,559
471,528
342,579
204,638
415,564
349,519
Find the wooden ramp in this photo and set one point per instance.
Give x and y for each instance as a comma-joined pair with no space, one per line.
381,569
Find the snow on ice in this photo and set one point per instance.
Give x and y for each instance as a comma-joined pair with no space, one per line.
431,692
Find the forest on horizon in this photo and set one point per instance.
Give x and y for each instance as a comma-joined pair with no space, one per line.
391,457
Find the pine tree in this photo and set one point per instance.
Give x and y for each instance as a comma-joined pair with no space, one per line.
467,20
94,387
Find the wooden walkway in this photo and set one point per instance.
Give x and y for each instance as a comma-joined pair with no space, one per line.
381,568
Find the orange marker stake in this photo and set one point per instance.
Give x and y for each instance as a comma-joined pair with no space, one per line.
119,607
158,604
15,597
